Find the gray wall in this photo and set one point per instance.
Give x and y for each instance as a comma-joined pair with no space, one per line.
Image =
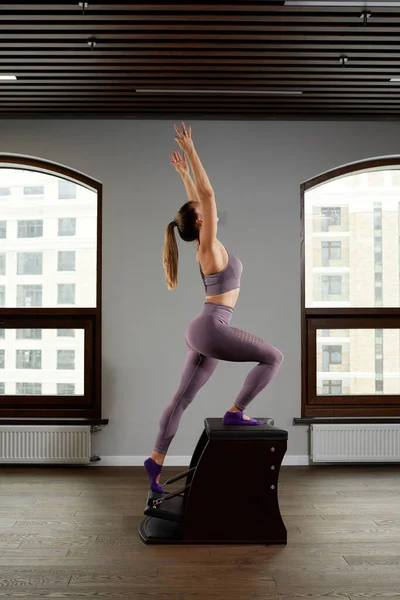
256,169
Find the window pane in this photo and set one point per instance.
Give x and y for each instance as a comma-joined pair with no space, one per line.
37,190
27,388
29,334
66,332
29,295
29,263
66,260
66,293
360,361
66,389
47,363
2,263
66,226
29,359
50,225
66,189
65,359
352,241
30,229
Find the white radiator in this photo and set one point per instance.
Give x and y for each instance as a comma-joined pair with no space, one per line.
355,443
45,444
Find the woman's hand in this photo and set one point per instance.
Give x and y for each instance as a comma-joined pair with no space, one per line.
179,162
184,138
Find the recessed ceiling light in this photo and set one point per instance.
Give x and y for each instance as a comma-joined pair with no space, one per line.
8,77
222,91
340,3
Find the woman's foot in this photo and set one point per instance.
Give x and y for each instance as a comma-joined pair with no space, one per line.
154,471
238,418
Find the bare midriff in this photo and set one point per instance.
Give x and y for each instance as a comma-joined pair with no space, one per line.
227,298
214,261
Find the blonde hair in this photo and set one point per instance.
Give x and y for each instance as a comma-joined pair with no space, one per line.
185,221
170,257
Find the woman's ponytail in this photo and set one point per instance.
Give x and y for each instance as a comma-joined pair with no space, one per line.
170,256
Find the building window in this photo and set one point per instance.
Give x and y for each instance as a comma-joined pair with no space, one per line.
2,388
29,334
67,226
66,293
2,295
331,355
34,190
66,359
332,387
4,192
66,389
66,332
331,286
331,216
330,251
28,388
2,263
2,359
3,229
2,333
66,260
29,295
29,263
30,229
29,359
66,190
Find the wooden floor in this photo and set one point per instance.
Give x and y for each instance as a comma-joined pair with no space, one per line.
73,533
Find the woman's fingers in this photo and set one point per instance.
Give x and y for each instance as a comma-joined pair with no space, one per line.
185,130
177,130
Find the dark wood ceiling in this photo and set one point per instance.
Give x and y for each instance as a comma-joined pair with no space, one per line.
71,63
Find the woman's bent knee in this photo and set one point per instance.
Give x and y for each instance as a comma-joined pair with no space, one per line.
273,356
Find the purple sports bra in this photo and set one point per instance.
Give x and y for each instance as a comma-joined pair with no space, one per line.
226,280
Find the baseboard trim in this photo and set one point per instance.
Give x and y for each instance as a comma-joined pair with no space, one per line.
183,461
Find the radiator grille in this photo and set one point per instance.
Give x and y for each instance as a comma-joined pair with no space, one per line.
45,444
355,443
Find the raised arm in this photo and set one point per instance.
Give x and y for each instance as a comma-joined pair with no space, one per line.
202,183
204,189
181,166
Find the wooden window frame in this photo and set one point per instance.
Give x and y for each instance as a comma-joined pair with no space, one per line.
379,405
86,406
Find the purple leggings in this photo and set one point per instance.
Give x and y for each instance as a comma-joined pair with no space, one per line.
209,339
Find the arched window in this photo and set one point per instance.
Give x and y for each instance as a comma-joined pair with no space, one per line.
351,291
50,285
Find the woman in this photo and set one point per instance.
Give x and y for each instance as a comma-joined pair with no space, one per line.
208,337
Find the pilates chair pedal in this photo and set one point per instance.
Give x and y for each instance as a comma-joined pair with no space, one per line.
162,507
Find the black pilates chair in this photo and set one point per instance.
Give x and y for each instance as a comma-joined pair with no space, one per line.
230,493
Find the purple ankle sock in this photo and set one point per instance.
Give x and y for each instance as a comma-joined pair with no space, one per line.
236,418
153,471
